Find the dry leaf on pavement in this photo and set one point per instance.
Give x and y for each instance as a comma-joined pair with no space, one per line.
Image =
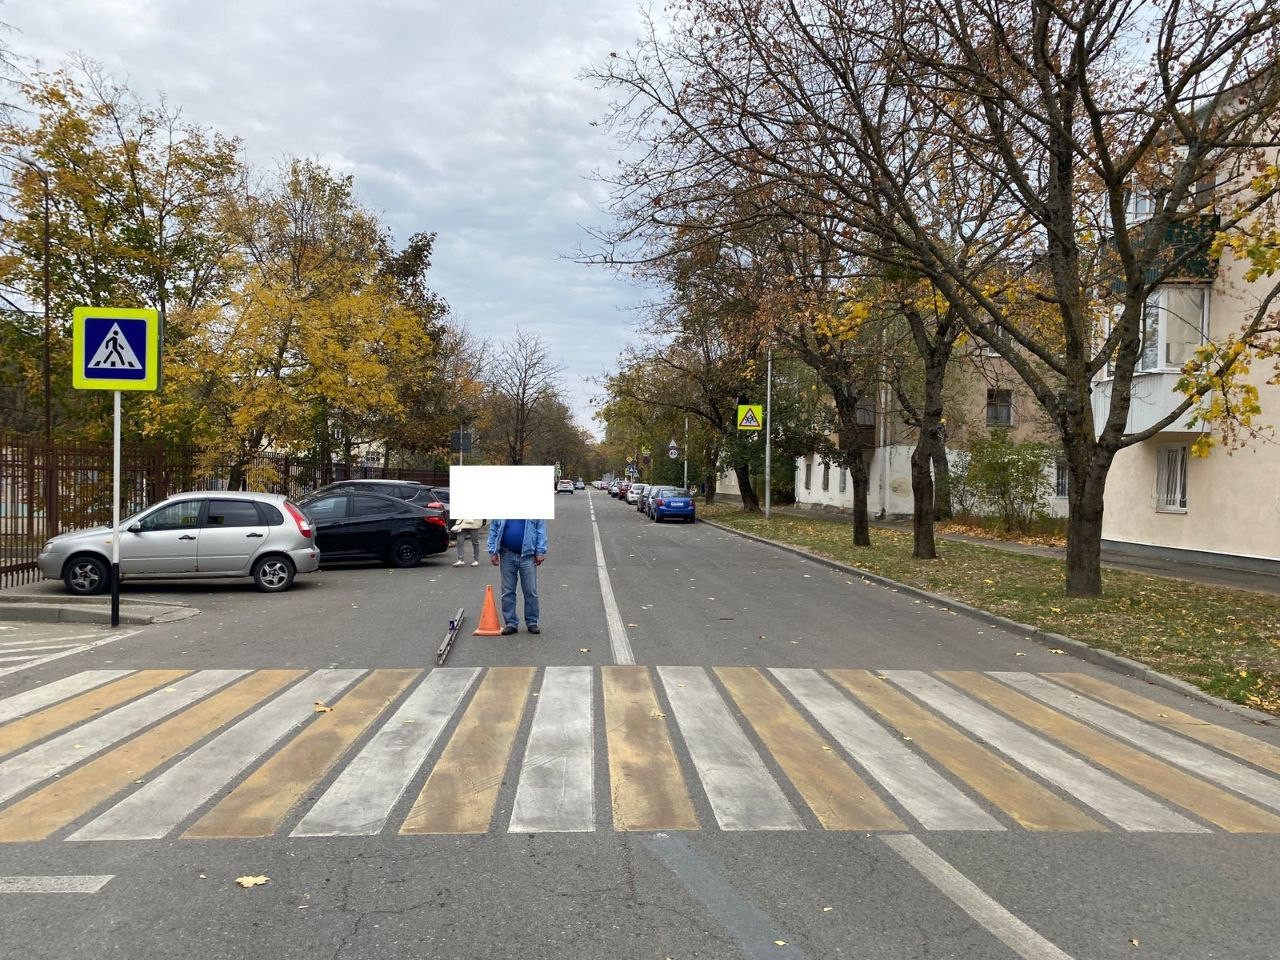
251,881
584,649
322,707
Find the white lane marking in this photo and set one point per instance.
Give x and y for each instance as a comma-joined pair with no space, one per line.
29,656
67,653
557,778
1108,795
53,756
742,792
50,639
44,647
360,800
83,884
924,793
970,898
1168,746
159,807
612,618
48,693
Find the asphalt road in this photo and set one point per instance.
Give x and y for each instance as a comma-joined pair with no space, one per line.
698,810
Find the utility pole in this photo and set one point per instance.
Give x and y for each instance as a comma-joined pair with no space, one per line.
768,434
686,452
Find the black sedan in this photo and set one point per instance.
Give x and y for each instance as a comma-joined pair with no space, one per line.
354,525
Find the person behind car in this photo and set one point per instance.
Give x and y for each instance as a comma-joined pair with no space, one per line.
468,529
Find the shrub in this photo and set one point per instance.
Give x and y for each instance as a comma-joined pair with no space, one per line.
999,476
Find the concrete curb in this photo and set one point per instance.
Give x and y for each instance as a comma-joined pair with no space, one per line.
1104,658
51,610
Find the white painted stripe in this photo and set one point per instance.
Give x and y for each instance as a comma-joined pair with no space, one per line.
55,691
360,800
29,656
42,648
5,671
1168,746
83,884
924,793
1108,795
53,756
15,642
556,791
743,794
612,618
970,898
159,807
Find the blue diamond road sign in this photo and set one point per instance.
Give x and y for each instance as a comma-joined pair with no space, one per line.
115,349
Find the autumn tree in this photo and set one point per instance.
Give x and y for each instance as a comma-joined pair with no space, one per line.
522,377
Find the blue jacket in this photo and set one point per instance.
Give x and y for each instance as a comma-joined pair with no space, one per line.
535,537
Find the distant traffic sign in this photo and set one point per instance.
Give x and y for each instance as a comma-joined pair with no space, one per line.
673,451
750,416
115,349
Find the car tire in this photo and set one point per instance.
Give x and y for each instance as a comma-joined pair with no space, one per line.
86,576
405,553
273,573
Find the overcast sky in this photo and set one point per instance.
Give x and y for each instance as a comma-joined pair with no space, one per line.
464,117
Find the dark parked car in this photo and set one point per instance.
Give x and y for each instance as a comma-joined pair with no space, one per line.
410,490
351,524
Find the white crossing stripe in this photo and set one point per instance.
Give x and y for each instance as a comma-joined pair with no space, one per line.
68,652
42,696
81,884
159,807
360,800
1108,795
53,756
1168,746
557,777
924,793
742,792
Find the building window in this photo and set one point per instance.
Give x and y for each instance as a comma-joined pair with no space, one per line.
1060,476
808,474
1171,479
999,408
1140,205
1174,320
826,476
844,476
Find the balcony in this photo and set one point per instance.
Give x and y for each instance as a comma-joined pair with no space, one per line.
1153,397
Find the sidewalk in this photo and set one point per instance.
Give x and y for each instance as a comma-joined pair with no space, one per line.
1257,581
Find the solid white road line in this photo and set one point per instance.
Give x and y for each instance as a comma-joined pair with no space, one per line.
5,671
47,693
914,784
159,807
612,618
1108,795
742,792
84,884
15,642
557,778
966,895
360,800
1168,746
53,756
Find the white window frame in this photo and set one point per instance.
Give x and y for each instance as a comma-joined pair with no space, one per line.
1171,492
995,390
1158,300
1061,479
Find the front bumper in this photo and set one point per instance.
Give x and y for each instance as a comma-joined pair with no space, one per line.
50,564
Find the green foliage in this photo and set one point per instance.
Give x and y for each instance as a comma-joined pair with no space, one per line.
998,475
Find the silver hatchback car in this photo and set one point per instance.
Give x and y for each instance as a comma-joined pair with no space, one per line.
190,535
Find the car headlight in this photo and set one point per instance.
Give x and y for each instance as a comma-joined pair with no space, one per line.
47,547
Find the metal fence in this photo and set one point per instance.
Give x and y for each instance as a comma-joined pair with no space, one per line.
46,490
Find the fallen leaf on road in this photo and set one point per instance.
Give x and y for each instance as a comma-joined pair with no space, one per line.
827,909
251,881
658,715
781,943
908,739
1056,650
1134,941
322,707
1019,654
584,649
633,624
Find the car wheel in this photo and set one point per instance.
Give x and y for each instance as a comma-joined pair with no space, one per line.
86,576
405,553
273,574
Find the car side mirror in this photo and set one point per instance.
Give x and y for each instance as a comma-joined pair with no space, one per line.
134,528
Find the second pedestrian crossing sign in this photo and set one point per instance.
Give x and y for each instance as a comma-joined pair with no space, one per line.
750,416
115,349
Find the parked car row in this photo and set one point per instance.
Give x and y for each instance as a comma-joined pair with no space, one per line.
224,534
658,502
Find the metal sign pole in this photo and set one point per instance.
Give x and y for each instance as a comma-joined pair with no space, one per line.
686,452
768,435
115,517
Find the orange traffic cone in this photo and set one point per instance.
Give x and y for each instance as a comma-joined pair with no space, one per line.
490,625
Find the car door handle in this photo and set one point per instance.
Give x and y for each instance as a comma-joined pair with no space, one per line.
258,535
186,536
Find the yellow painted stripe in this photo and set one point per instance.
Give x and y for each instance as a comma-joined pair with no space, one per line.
838,797
460,794
647,789
1257,752
258,806
1023,799
19,733
65,800
1203,799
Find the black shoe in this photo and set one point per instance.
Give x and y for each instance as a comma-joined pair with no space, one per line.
533,628
508,631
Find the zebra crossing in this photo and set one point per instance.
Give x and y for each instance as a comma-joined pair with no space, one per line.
30,645
217,754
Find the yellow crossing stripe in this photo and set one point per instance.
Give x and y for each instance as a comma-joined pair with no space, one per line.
66,800
460,794
1229,741
647,789
838,797
1203,799
259,806
1023,799
19,733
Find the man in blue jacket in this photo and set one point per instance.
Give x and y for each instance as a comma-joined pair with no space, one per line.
519,547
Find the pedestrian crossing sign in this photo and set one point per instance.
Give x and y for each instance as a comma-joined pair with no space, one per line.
750,416
115,349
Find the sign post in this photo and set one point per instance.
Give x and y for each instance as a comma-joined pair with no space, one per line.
115,349
768,435
686,451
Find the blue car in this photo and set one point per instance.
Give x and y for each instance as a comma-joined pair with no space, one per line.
670,502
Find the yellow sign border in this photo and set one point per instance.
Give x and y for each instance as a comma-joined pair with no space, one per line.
744,409
149,382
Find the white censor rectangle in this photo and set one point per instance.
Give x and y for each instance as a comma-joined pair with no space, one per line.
509,493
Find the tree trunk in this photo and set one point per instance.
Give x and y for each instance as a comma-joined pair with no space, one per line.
861,478
923,546
750,502
1084,535
941,481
